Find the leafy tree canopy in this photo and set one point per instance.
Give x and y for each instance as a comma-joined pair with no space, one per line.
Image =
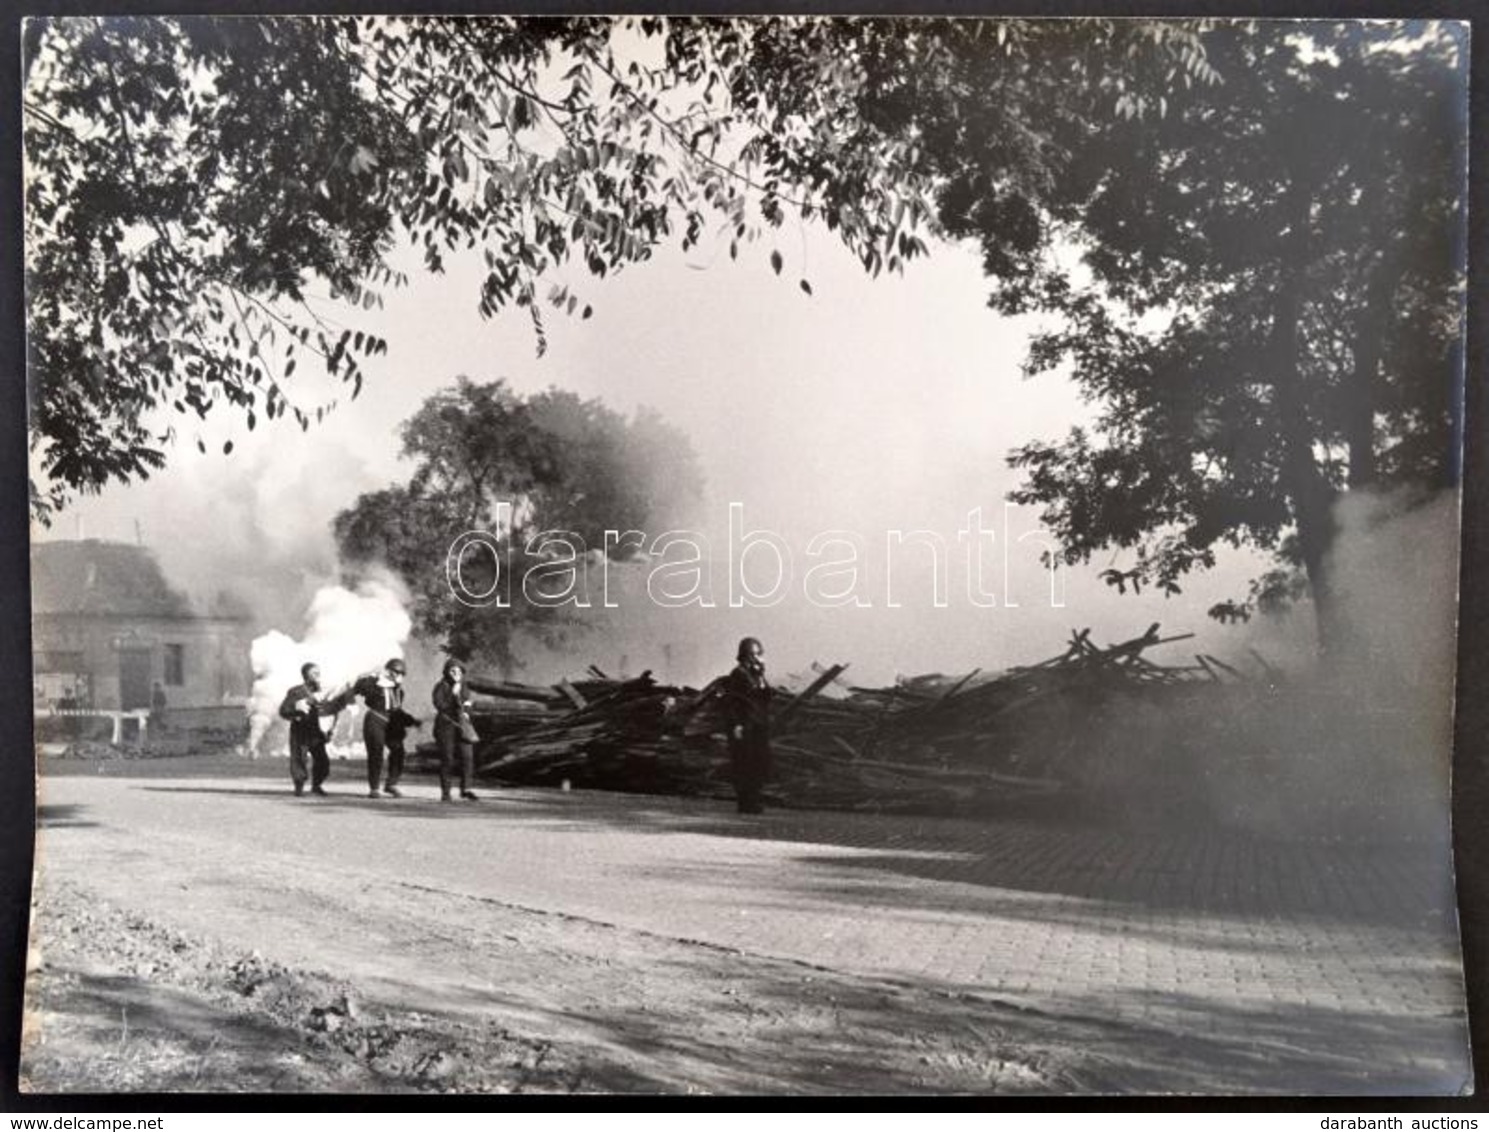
1258,281
559,463
198,188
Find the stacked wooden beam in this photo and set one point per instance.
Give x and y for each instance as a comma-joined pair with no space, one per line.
930,743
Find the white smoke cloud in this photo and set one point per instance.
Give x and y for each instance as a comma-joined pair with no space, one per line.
348,632
1394,569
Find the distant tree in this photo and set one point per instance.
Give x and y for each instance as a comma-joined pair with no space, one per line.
560,462
197,188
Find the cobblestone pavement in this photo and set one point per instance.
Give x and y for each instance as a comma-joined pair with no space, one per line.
1308,953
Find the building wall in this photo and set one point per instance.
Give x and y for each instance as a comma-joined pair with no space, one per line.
215,665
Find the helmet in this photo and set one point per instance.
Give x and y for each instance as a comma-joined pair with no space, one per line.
396,665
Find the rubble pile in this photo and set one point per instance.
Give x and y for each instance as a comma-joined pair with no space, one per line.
596,732
926,744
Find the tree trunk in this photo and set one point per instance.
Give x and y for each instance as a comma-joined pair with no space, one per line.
1310,494
1366,347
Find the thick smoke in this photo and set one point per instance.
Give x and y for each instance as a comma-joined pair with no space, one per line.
881,639
1394,570
1354,743
347,633
248,533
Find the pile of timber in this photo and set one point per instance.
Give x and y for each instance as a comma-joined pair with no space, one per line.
925,744
595,732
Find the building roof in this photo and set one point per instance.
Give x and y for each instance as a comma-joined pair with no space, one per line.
104,578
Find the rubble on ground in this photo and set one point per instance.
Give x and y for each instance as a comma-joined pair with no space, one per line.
925,744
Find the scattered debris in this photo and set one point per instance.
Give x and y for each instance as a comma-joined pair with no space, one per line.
926,744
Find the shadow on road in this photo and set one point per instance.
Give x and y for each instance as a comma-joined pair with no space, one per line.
1178,868
1189,1042
737,1024
758,1027
994,864
415,802
234,792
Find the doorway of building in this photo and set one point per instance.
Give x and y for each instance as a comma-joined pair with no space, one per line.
134,679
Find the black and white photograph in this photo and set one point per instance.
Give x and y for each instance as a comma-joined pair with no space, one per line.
744,555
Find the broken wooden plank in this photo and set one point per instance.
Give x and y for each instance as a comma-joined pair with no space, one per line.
573,694
818,668
1171,640
504,690
959,685
811,690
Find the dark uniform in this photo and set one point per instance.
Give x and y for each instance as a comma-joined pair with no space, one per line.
158,705
747,697
306,706
385,725
455,734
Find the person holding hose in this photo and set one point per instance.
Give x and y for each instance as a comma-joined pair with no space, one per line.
308,706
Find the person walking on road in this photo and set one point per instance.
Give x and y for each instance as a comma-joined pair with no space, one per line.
453,730
307,706
385,725
747,697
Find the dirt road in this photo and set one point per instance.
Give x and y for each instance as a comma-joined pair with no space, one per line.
201,928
